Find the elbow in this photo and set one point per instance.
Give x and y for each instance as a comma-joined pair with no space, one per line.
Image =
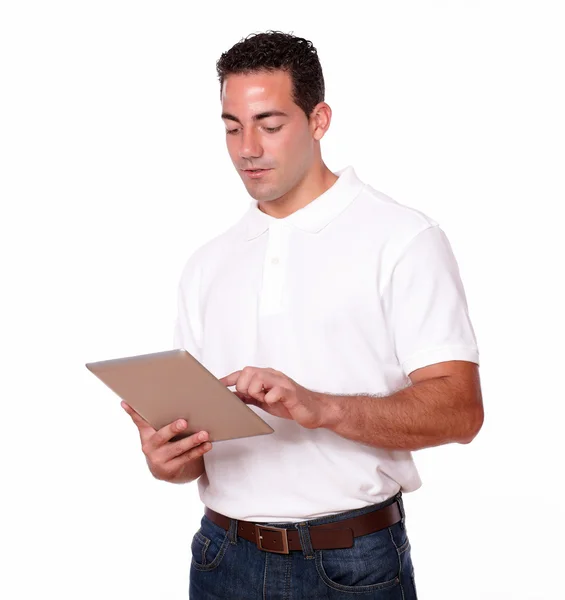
472,425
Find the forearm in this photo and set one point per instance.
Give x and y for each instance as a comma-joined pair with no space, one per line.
428,413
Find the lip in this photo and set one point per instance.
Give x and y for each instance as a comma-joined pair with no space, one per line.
256,175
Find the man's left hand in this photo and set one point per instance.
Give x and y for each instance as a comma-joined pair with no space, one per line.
278,395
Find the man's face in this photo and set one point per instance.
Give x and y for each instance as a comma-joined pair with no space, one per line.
281,143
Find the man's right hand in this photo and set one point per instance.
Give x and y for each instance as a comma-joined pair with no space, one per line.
177,462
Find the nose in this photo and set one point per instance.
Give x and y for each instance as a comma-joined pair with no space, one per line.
250,146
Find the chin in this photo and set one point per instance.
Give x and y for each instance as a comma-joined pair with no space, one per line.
262,195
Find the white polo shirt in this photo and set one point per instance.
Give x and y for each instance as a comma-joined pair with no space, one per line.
347,295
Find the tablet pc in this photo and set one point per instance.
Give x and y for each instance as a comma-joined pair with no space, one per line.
165,386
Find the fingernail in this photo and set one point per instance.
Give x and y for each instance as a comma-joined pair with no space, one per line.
202,436
181,425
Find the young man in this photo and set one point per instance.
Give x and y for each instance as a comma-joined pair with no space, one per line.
339,315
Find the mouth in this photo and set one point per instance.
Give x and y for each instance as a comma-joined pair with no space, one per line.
256,173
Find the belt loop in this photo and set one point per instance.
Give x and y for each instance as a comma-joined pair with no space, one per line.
305,541
400,503
232,532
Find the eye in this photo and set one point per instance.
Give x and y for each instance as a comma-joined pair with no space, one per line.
232,131
273,129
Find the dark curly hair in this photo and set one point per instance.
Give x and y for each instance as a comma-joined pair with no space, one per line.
274,50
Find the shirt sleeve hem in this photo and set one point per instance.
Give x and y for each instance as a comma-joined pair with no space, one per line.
430,357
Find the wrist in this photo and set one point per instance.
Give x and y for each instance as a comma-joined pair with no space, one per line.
331,409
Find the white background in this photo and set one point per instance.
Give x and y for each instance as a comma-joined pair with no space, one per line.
114,170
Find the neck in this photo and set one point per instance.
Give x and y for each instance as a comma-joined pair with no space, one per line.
313,184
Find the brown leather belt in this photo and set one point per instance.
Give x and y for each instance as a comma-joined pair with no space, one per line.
324,537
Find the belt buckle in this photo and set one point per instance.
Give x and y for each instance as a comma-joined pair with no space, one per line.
284,538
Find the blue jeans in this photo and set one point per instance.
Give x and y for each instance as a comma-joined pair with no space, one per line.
377,567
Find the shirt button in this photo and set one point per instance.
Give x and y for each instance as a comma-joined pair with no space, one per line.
274,261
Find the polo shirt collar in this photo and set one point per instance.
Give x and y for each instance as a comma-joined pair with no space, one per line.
313,217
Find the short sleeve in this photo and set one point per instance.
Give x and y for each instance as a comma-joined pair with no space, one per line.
426,307
187,329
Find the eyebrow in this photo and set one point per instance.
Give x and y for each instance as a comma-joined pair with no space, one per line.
257,117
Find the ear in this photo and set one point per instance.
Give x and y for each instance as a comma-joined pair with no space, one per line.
320,119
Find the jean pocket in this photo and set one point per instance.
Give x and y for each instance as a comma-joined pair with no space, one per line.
371,564
208,550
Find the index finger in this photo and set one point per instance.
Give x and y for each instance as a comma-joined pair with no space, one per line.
231,379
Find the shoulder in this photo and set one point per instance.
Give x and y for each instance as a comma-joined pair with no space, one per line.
389,223
395,215
212,252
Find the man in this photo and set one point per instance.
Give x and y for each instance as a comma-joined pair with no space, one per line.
339,315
